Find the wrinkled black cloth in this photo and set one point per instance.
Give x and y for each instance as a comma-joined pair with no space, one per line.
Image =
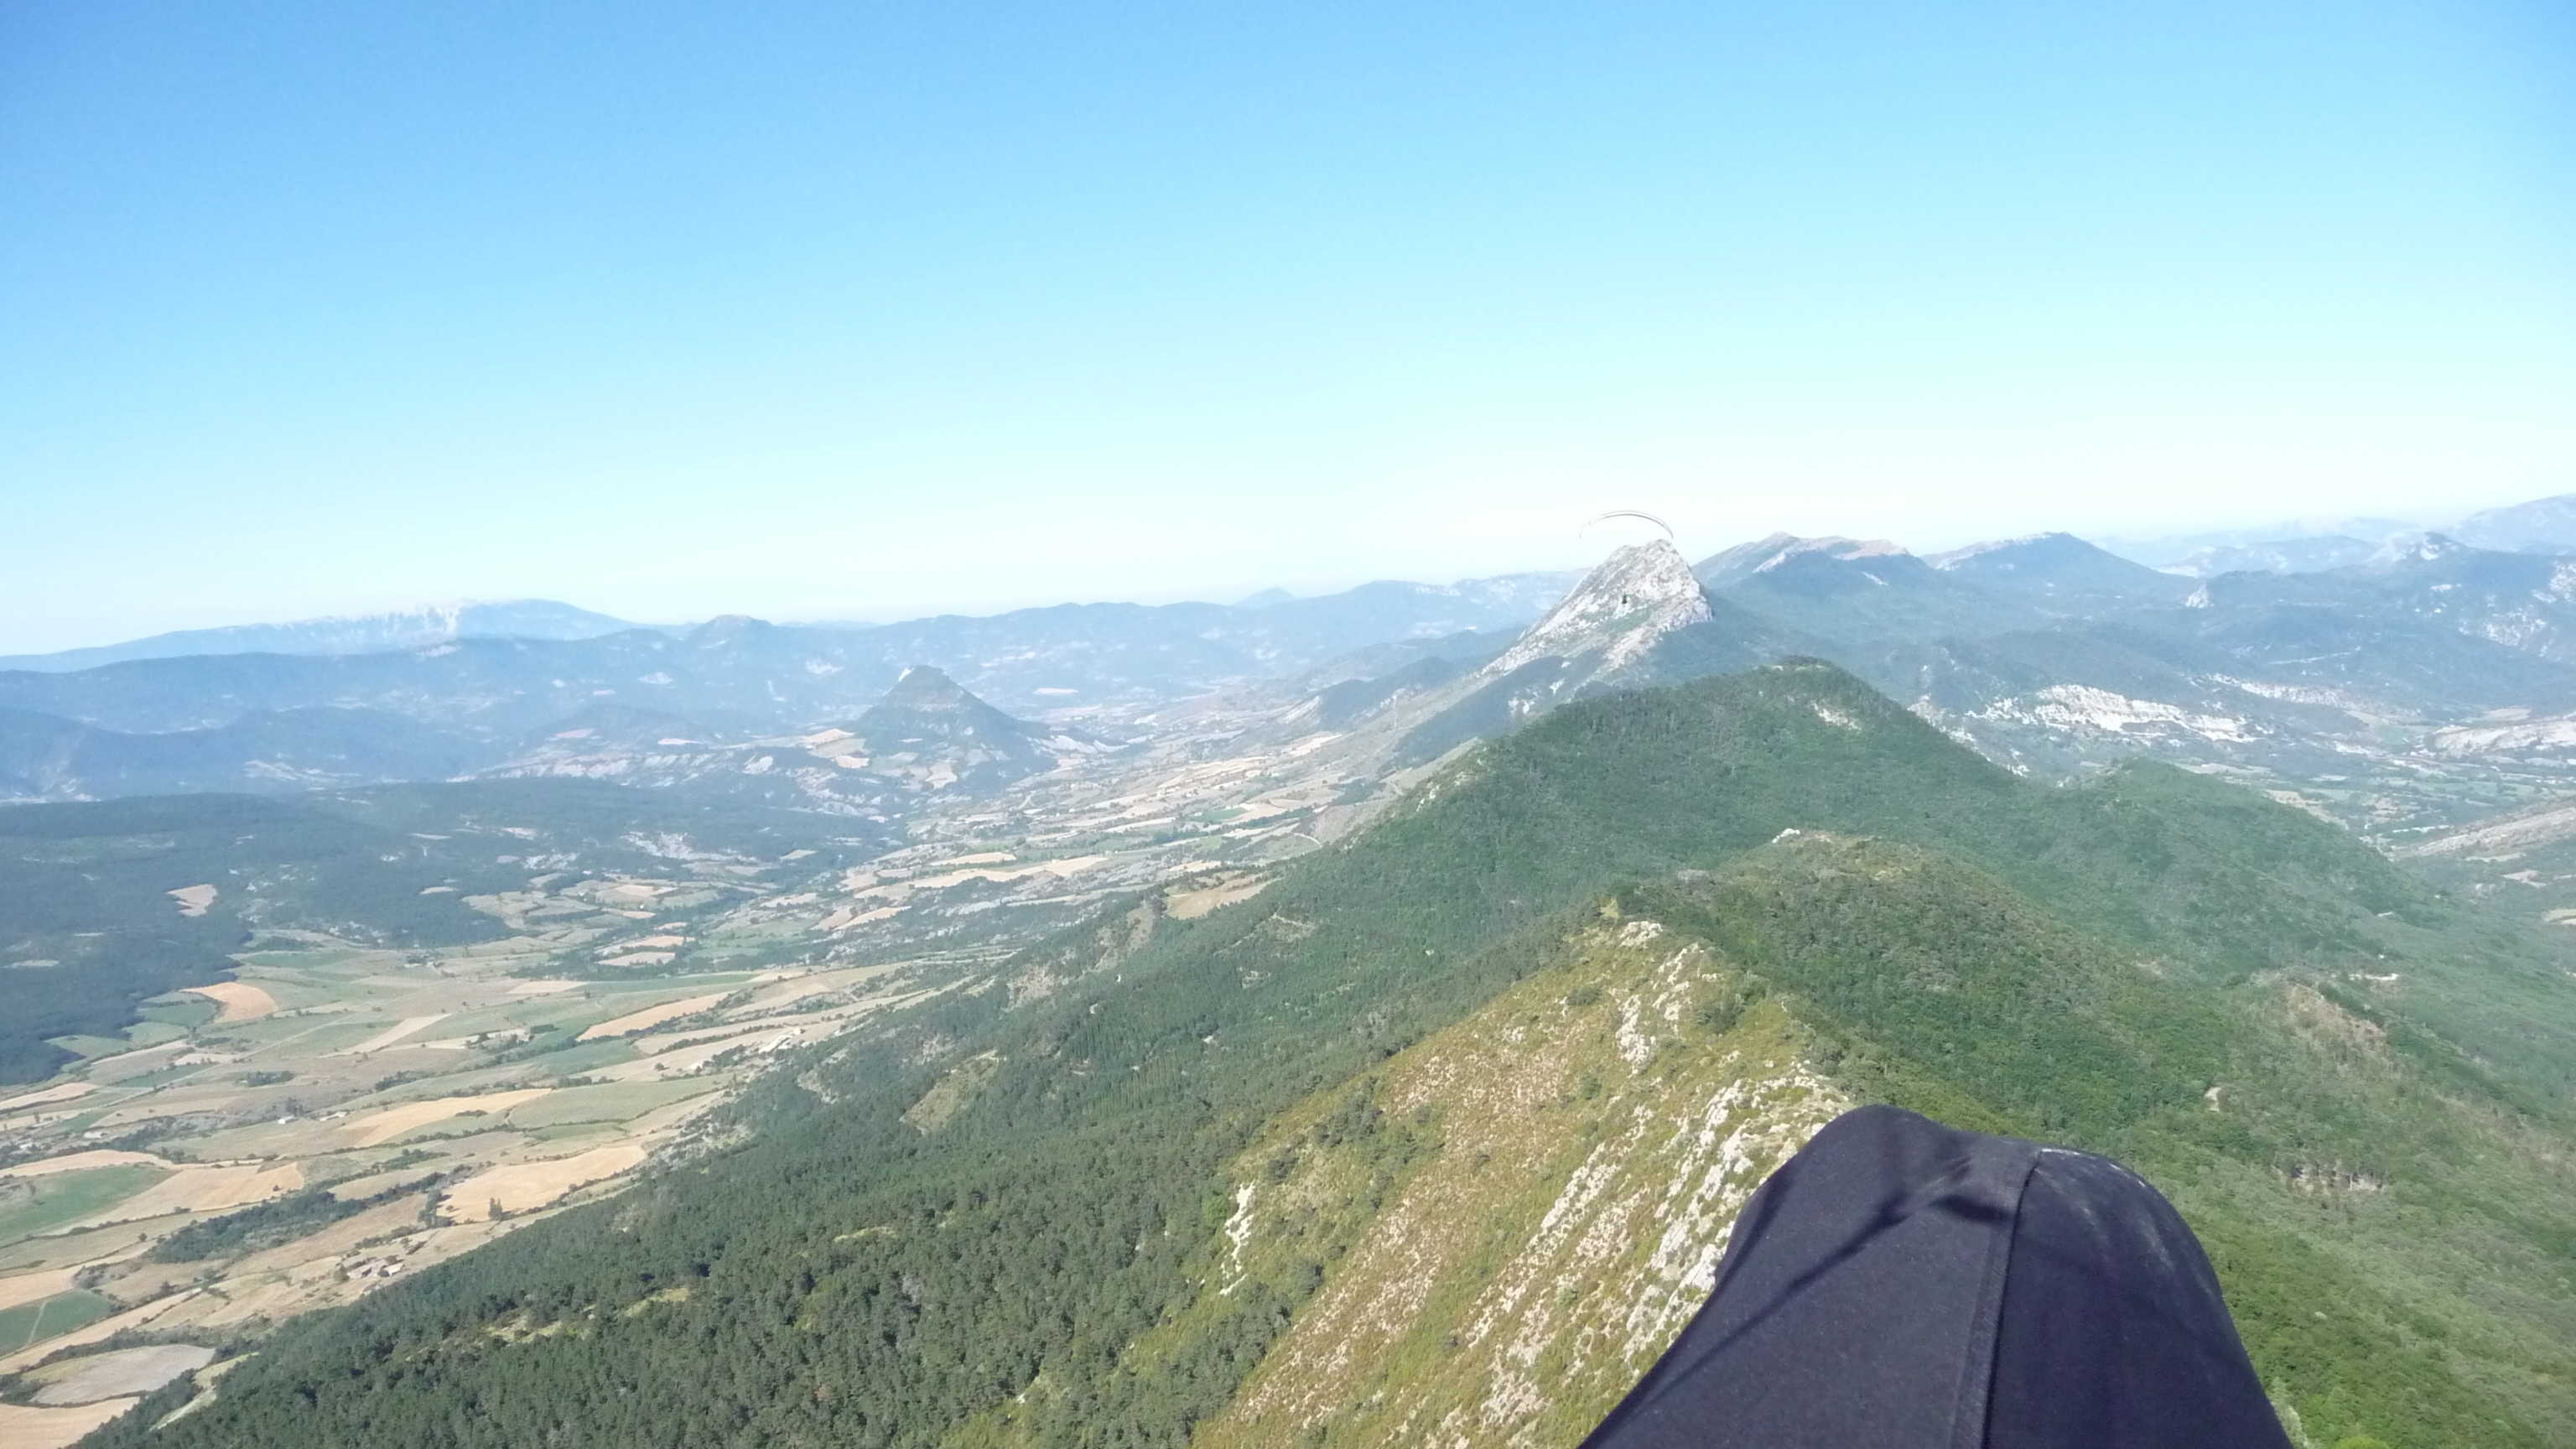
1900,1284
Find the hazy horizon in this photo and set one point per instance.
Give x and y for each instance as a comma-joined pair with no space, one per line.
1595,541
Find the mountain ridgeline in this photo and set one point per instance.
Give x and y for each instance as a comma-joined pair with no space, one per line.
1438,1136
358,634
2368,687
476,676
1640,618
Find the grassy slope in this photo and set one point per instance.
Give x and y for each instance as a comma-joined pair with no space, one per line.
862,1282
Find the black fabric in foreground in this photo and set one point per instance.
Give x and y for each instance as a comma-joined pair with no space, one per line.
1904,1285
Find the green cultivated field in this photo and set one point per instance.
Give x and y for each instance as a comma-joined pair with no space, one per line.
613,1103
186,1010
33,1323
31,1205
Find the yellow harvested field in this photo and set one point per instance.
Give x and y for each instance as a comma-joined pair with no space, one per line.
680,1061
270,1297
26,1427
118,1373
77,1161
43,1283
318,1254
393,1122
1189,905
798,988
391,1034
205,1189
63,1093
1057,868
240,1000
543,988
524,1185
650,1017
651,1051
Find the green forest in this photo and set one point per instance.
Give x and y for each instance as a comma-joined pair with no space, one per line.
2084,964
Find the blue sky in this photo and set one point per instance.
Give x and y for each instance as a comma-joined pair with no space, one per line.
872,310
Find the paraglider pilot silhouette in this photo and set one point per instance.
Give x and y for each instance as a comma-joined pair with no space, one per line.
1900,1284
1627,601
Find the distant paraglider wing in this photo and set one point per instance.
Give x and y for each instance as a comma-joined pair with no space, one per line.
1631,513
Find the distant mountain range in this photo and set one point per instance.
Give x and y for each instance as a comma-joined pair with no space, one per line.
1418,609
2047,651
748,675
2543,525
353,634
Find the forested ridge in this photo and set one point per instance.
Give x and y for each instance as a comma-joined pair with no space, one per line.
2085,964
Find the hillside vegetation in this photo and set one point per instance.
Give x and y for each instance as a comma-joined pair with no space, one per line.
1442,1131
93,920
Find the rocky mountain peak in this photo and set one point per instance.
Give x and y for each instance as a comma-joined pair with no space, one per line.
2422,548
2057,567
2544,525
1638,595
926,686
931,732
2029,546
926,703
1781,550
727,629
